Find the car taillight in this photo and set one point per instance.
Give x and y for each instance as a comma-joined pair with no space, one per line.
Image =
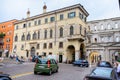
48,63
35,65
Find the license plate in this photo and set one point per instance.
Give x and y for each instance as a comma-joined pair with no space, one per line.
41,66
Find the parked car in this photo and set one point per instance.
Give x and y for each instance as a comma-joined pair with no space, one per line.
81,63
5,77
104,64
45,65
102,73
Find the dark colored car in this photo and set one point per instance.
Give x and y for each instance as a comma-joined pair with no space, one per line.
104,64
45,65
81,63
102,73
5,77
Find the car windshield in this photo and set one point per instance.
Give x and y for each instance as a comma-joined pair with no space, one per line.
101,71
43,61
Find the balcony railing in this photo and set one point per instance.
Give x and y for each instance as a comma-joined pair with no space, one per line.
76,37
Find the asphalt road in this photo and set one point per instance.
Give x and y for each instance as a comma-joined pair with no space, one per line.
25,72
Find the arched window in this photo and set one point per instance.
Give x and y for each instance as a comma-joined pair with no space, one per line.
117,39
16,38
34,36
95,39
23,37
38,34
51,33
28,36
45,34
71,30
102,27
95,28
116,25
109,26
61,32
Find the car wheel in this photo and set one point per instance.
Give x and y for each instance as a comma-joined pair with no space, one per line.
57,70
50,72
35,72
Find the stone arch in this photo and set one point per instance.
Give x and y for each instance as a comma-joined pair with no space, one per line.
70,53
82,54
94,57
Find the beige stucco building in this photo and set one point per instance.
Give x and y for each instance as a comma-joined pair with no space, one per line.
60,32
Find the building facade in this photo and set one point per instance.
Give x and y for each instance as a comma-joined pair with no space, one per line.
7,28
60,32
1,43
103,40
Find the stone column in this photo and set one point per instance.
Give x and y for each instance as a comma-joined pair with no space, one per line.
77,55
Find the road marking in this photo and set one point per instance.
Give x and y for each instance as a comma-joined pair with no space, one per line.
20,75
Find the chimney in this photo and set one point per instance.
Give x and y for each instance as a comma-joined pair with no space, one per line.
28,13
44,8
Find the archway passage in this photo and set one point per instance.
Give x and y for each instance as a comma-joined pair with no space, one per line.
94,57
70,53
32,51
82,54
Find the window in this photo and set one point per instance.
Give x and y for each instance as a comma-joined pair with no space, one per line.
35,23
61,17
116,25
45,34
71,30
29,24
16,27
16,38
61,32
52,19
34,36
80,29
95,40
102,27
23,37
117,39
38,46
38,34
71,15
46,20
22,47
109,27
24,25
80,15
8,40
50,45
39,22
85,31
95,28
28,36
61,45
51,32
102,39
45,46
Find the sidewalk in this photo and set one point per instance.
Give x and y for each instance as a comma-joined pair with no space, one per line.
11,61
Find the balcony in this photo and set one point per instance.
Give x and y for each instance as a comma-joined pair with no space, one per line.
75,37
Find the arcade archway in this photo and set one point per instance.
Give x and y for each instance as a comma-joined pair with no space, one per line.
94,57
70,53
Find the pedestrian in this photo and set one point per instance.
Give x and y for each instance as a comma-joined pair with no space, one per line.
118,68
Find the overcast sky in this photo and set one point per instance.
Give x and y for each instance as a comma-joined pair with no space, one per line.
16,9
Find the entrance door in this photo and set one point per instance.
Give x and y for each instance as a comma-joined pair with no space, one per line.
60,58
32,51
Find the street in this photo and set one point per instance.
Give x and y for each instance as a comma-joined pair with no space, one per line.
25,72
